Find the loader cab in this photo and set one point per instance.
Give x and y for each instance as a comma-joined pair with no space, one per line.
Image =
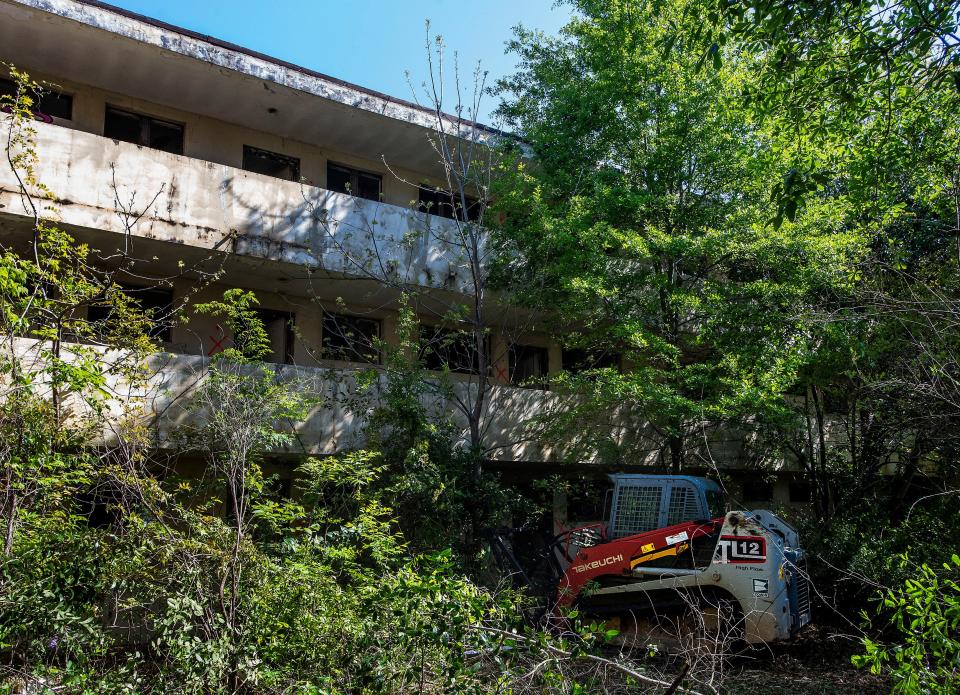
640,503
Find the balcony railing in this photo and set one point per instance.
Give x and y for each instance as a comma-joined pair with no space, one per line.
217,207
163,397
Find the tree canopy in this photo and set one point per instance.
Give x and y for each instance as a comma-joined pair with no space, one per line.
650,230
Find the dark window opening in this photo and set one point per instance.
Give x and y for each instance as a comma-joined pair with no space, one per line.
271,163
156,302
442,348
101,504
48,102
529,365
277,490
442,203
800,491
577,360
757,489
278,326
281,489
351,338
361,184
143,130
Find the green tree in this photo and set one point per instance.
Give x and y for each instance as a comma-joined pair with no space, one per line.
643,225
55,380
424,463
862,107
828,68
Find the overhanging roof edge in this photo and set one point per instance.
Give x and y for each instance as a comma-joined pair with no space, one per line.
191,44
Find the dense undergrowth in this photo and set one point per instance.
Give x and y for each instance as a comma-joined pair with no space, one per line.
780,261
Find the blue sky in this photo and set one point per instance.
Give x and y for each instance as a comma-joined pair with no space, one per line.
369,42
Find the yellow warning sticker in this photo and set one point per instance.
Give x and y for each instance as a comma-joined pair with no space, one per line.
646,548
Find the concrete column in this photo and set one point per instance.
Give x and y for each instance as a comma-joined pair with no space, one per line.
559,511
499,359
555,357
388,330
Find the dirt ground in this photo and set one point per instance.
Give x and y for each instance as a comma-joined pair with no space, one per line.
815,662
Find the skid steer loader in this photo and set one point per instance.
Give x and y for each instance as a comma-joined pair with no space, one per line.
669,551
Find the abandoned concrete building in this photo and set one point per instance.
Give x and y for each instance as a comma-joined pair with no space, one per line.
205,152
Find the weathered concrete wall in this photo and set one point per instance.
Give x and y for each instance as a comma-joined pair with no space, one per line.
224,95
333,425
213,206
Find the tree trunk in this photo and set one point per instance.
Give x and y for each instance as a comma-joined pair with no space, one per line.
827,500
676,454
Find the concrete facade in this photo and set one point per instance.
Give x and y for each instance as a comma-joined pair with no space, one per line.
303,248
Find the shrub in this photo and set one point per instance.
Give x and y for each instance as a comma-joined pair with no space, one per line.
925,612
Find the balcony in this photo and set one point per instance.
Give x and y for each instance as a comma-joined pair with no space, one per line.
103,185
162,400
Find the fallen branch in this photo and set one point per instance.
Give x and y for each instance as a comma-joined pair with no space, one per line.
670,687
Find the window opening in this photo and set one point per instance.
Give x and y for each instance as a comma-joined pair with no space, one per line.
444,204
350,338
529,365
576,360
800,491
362,184
48,104
270,163
278,326
757,490
156,302
443,348
143,130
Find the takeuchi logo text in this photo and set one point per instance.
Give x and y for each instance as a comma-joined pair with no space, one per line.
598,563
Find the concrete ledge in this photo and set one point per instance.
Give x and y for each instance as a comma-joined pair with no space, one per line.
216,207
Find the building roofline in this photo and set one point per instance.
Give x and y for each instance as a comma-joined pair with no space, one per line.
61,8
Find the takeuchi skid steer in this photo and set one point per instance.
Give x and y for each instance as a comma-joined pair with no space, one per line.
667,550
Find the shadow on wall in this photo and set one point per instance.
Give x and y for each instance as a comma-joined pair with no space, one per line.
103,184
321,229
533,425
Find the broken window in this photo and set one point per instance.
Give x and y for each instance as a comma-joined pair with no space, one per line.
351,338
443,348
143,130
529,365
271,163
48,102
156,302
361,184
442,203
279,327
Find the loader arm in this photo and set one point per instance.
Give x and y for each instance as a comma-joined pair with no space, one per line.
618,559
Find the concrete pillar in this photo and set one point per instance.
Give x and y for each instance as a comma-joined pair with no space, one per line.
308,328
500,359
555,357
